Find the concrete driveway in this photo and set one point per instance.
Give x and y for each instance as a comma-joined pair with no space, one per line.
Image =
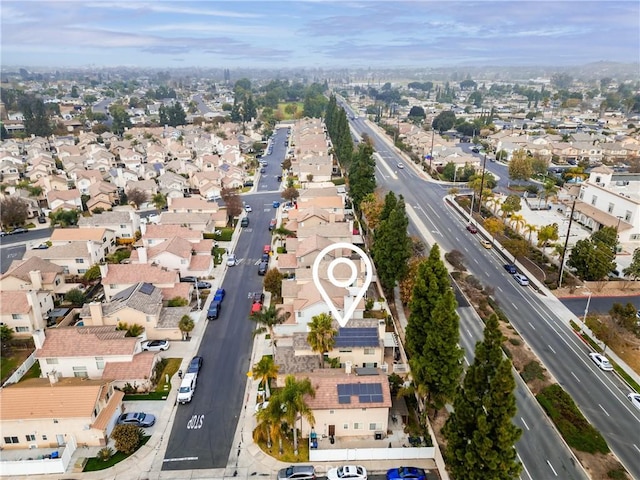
154,407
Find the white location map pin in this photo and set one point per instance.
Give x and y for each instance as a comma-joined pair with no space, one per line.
342,320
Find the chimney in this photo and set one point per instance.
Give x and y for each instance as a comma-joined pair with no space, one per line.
95,309
34,303
38,338
53,377
347,367
142,255
36,279
104,269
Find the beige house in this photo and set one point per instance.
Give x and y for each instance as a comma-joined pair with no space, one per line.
118,277
25,311
57,411
102,238
186,257
34,274
74,257
124,223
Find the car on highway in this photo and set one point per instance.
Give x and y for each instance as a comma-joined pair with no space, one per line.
297,472
412,473
601,361
510,268
400,166
232,260
155,345
263,267
521,279
485,243
203,285
357,472
139,419
472,228
634,398
195,365
248,209
214,310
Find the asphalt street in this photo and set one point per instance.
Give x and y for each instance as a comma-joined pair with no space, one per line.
12,247
544,328
578,305
203,430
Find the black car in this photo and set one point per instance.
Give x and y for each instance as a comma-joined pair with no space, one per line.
214,310
262,269
195,365
510,268
265,258
42,219
188,279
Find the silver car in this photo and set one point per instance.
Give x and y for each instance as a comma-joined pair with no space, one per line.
232,260
297,472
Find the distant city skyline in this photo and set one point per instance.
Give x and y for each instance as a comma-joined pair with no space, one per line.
316,34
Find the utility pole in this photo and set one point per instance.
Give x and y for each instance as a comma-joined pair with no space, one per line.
566,243
433,132
484,163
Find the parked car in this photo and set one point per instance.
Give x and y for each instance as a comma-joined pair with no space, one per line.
244,222
263,267
272,224
601,361
248,209
188,279
266,249
510,268
232,260
265,257
19,230
219,295
357,472
42,246
257,297
3,233
203,285
262,170
634,398
412,473
195,365
42,219
297,472
214,310
472,228
276,204
155,345
187,387
400,166
521,279
256,308
138,419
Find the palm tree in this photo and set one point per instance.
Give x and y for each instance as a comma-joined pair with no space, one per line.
321,335
270,423
293,401
265,370
549,189
267,320
494,202
518,221
159,200
186,325
530,229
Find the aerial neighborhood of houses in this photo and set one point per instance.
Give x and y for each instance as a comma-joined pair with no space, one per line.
137,221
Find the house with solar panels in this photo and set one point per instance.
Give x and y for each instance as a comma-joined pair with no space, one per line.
346,404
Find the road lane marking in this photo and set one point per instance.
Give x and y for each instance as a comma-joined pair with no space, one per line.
500,288
514,306
181,459
469,332
552,469
531,325
466,249
602,408
636,447
551,348
524,467
575,376
525,424
434,212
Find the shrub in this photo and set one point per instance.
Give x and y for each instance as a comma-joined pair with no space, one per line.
515,341
531,371
177,302
127,437
456,259
575,429
474,282
158,369
105,454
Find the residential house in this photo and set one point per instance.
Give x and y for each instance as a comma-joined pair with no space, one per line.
170,180
75,257
191,205
203,222
119,277
10,172
34,274
86,178
57,412
103,195
124,223
50,183
178,254
150,187
25,310
104,238
64,200
155,234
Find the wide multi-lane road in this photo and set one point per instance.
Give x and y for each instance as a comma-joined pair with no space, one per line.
541,321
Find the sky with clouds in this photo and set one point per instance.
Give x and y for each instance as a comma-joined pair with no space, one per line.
368,33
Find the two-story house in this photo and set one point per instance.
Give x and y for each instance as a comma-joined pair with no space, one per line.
25,310
124,223
103,238
186,257
119,277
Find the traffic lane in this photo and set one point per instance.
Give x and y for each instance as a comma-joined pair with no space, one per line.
31,235
10,254
577,305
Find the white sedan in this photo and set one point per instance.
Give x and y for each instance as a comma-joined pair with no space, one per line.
357,472
634,398
247,208
601,361
155,345
400,165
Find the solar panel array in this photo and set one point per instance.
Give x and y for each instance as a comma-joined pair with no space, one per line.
366,392
146,288
357,337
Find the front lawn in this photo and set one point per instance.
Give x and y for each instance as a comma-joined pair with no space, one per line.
94,463
163,388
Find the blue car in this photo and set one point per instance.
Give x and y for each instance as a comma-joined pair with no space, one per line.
412,473
510,268
219,296
276,204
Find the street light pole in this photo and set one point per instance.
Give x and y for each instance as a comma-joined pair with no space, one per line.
484,163
586,310
433,132
566,243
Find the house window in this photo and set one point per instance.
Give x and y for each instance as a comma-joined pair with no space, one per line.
345,426
113,285
627,216
57,282
99,363
82,270
610,209
331,412
52,361
369,351
22,329
183,261
11,440
123,226
16,316
357,426
65,270
635,236
79,260
346,350
581,195
80,372
30,438
374,426
126,235
44,438
594,199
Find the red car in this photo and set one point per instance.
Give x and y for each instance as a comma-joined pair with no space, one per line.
256,308
472,228
267,249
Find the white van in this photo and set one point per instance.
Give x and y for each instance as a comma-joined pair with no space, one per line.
188,385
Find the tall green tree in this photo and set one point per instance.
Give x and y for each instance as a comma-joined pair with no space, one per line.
322,335
362,174
159,200
267,319
13,211
520,166
480,433
392,247
633,270
592,260
120,117
271,422
265,371
390,204
36,118
444,121
293,400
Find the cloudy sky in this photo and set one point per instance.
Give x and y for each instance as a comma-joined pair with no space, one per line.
230,34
